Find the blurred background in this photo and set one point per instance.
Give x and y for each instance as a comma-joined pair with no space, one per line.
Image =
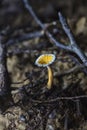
13,13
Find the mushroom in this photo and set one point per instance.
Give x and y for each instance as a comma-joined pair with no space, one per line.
45,60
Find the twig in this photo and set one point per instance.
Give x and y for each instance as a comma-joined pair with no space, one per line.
20,82
25,37
72,70
48,34
29,35
66,121
78,107
19,51
73,47
59,98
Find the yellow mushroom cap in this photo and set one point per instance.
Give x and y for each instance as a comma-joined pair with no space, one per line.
45,59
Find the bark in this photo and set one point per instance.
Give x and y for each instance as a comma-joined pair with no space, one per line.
5,91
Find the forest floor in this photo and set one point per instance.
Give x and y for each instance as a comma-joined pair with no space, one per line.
35,107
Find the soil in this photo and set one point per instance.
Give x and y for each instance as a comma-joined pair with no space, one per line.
35,107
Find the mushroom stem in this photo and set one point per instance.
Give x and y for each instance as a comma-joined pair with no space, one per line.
50,78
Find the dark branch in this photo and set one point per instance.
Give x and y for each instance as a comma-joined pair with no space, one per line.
27,36
4,80
75,48
59,98
48,34
24,37
5,90
72,47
